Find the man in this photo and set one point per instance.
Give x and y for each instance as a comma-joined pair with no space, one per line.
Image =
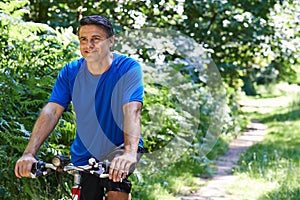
106,90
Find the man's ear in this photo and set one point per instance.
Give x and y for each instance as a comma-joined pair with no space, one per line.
111,41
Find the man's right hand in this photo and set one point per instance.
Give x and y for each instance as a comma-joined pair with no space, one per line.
24,165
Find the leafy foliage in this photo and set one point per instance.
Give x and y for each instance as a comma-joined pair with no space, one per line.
249,39
181,100
31,57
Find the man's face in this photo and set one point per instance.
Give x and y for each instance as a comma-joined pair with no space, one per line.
94,44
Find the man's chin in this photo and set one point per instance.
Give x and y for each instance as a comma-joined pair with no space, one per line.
91,57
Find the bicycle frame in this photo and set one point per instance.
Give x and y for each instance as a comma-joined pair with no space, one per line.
76,190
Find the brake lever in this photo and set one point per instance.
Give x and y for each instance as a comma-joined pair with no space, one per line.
99,169
34,170
39,169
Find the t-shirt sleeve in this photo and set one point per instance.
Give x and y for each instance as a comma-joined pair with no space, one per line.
61,90
133,84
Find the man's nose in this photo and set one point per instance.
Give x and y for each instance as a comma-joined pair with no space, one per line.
91,43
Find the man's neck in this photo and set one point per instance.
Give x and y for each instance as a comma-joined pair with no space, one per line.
101,66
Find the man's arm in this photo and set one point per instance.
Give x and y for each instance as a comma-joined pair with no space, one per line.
132,131
44,125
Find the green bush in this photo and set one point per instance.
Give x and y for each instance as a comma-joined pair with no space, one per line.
31,57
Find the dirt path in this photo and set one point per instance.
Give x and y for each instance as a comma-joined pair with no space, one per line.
215,188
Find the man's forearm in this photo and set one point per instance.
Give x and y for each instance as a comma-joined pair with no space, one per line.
132,126
120,165
43,127
131,141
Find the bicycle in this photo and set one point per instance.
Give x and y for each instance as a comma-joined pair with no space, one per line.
62,164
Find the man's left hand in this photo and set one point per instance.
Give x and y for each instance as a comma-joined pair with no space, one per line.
120,166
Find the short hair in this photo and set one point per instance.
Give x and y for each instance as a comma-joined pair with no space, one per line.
99,21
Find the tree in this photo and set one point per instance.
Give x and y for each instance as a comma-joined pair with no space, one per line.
239,33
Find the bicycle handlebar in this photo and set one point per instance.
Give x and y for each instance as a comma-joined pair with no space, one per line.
62,164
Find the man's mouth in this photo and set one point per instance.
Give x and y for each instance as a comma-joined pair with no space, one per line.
90,52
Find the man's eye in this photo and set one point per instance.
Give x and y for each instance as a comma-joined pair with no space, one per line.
97,38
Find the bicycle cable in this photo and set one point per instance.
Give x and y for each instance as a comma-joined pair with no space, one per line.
59,181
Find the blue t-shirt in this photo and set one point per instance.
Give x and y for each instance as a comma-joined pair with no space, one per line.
98,102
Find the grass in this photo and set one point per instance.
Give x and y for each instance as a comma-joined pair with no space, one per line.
248,188
167,183
271,169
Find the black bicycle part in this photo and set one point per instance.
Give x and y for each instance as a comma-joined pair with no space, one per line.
39,168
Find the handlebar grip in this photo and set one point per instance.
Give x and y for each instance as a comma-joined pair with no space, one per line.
34,166
33,170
